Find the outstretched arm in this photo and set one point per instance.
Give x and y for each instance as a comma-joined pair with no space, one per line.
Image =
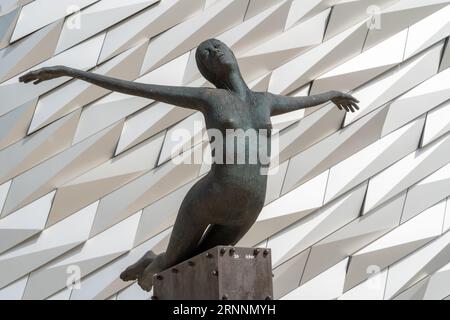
193,98
283,104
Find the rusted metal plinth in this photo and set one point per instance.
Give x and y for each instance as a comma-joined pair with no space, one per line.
221,273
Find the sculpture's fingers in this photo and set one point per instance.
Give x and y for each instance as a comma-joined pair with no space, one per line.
355,105
339,106
26,78
350,97
37,81
353,99
349,107
29,79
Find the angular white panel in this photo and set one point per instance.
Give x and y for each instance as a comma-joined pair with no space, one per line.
142,125
103,179
316,61
309,130
14,124
25,222
418,265
328,285
317,226
103,283
116,106
287,276
418,101
83,56
346,13
29,52
371,289
61,295
147,24
428,31
287,209
304,9
363,67
148,122
51,243
4,188
15,290
256,30
34,149
400,15
445,62
374,158
396,244
334,148
134,292
256,6
94,253
96,18
32,17
7,24
427,192
433,287
406,172
396,82
446,225
160,215
353,237
77,93
143,191
188,34
437,123
183,137
275,181
63,167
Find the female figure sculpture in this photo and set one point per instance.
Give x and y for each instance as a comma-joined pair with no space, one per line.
227,201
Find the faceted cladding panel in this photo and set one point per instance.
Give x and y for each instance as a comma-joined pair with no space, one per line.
358,206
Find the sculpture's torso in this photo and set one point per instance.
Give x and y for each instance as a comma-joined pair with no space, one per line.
235,192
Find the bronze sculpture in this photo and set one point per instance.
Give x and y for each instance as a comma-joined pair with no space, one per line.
222,206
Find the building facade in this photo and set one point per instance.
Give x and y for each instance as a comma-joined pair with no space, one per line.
357,204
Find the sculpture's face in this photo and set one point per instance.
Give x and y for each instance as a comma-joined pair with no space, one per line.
215,59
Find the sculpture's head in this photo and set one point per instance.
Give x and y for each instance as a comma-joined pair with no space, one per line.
215,60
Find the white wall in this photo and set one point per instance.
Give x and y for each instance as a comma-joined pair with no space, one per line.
358,207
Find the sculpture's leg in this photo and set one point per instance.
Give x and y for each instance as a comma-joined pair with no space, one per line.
185,236
221,235
133,271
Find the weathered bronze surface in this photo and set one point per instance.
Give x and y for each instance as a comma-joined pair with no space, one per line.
227,201
237,274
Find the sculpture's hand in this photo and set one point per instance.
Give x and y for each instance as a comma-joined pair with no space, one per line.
43,74
345,101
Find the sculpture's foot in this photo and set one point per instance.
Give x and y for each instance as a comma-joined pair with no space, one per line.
145,279
135,270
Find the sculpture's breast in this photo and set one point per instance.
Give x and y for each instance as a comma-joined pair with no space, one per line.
230,112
